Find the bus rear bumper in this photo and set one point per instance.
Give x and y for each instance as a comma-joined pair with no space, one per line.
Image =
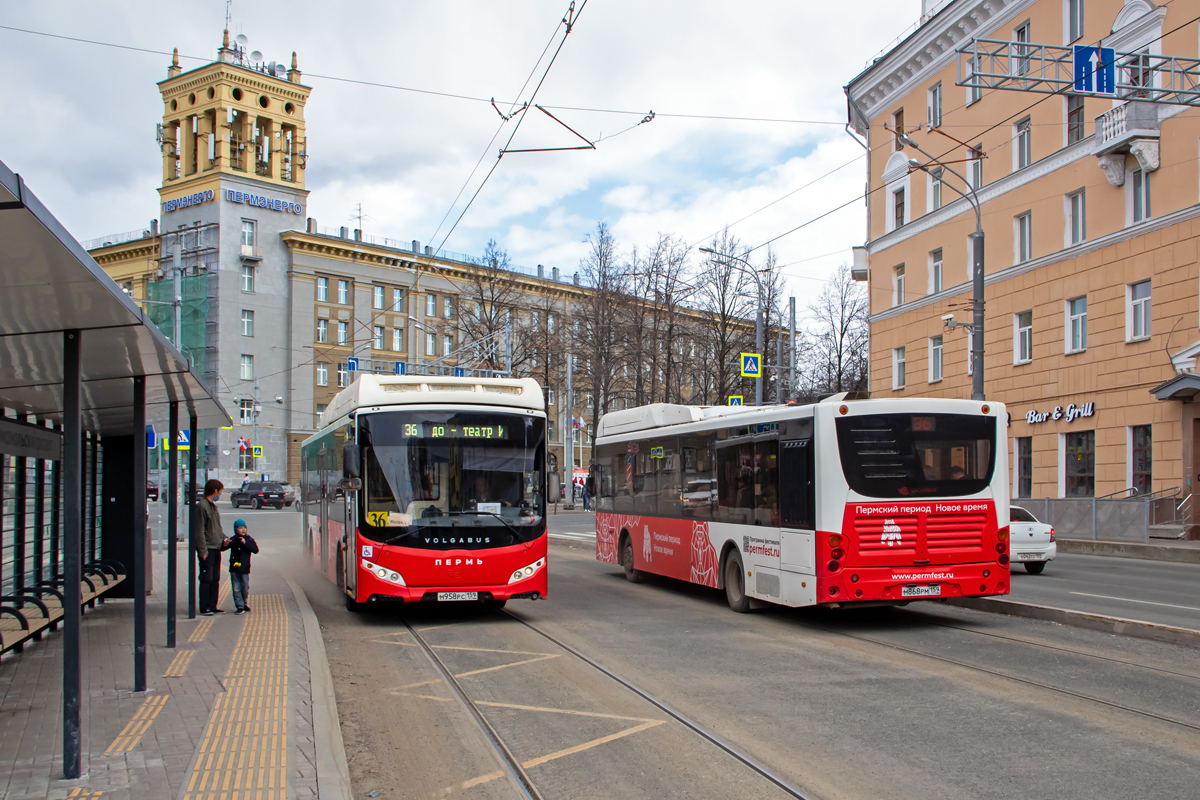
901,584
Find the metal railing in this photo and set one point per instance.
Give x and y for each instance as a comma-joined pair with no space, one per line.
115,238
1111,518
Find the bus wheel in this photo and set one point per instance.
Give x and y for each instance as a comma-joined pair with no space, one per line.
351,605
735,583
632,574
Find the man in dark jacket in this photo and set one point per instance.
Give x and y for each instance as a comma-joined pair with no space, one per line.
240,547
208,542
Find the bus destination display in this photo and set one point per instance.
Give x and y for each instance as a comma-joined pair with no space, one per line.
441,430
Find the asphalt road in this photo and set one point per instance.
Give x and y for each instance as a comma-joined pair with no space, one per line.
926,701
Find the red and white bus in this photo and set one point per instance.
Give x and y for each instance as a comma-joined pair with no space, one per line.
836,503
429,489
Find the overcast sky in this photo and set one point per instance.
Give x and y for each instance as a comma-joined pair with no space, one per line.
80,118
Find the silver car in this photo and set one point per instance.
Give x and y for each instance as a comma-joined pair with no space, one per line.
1029,542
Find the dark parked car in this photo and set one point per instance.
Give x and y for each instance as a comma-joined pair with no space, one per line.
258,494
289,494
151,490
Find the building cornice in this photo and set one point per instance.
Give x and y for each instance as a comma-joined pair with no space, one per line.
217,72
1074,251
1014,180
928,49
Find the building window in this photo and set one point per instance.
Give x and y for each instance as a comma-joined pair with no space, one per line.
247,367
1023,224
898,207
1081,464
246,459
935,271
1024,487
935,105
343,332
935,190
245,412
398,340
431,344
322,374
1023,337
899,280
1139,186
322,331
249,233
247,278
935,359
447,345
1077,217
322,290
1137,311
975,166
535,319
398,300
1139,73
898,128
343,375
550,323
1023,146
1077,324
431,305
1140,459
343,292
247,322
377,297
448,307
378,342
1075,120
1074,20
321,413
1022,51
974,93
897,369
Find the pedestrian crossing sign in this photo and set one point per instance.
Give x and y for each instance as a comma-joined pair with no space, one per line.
751,365
257,451
735,400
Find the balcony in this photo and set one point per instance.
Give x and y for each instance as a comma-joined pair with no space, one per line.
1130,128
251,252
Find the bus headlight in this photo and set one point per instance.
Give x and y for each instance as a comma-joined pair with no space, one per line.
383,573
526,572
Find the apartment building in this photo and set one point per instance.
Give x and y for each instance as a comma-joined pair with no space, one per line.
1091,213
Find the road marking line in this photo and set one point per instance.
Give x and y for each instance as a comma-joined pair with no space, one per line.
243,753
564,711
506,666
201,630
398,693
1131,600
179,664
83,794
487,650
417,685
133,732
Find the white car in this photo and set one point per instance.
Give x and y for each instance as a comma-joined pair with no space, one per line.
1029,542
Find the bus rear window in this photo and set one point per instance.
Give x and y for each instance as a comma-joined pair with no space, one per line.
915,456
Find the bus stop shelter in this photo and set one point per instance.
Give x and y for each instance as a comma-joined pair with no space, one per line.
82,372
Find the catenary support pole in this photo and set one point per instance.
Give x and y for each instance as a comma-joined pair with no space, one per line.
758,348
193,521
779,365
172,518
569,450
792,347
977,392
72,568
139,535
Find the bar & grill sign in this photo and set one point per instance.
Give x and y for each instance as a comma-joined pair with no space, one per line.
1072,412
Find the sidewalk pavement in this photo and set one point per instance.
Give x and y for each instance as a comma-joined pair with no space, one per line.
228,713
1178,550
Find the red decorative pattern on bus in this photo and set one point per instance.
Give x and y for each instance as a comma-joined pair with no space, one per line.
676,548
704,556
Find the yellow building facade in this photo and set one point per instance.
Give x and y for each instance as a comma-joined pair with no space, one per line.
1091,212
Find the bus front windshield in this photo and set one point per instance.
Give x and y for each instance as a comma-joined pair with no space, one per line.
453,469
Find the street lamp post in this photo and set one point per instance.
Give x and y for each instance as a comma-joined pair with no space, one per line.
758,329
977,321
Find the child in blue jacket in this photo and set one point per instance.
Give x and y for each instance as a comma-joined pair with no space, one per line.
240,547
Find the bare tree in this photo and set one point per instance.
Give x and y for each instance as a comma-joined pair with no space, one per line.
839,349
600,312
723,293
487,309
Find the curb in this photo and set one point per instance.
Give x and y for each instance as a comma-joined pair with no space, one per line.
1150,552
1120,626
333,773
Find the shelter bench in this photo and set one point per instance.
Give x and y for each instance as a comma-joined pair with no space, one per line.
39,608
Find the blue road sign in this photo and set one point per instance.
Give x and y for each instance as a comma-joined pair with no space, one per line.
352,364
735,400
656,452
1098,63
400,367
751,365
182,442
459,372
150,437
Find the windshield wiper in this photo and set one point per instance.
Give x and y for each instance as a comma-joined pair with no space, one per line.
503,521
398,537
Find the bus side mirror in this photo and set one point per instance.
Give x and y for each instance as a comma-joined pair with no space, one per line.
351,461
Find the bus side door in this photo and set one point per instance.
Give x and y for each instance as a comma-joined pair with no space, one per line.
798,500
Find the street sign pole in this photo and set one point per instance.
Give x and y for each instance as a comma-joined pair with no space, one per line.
758,348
